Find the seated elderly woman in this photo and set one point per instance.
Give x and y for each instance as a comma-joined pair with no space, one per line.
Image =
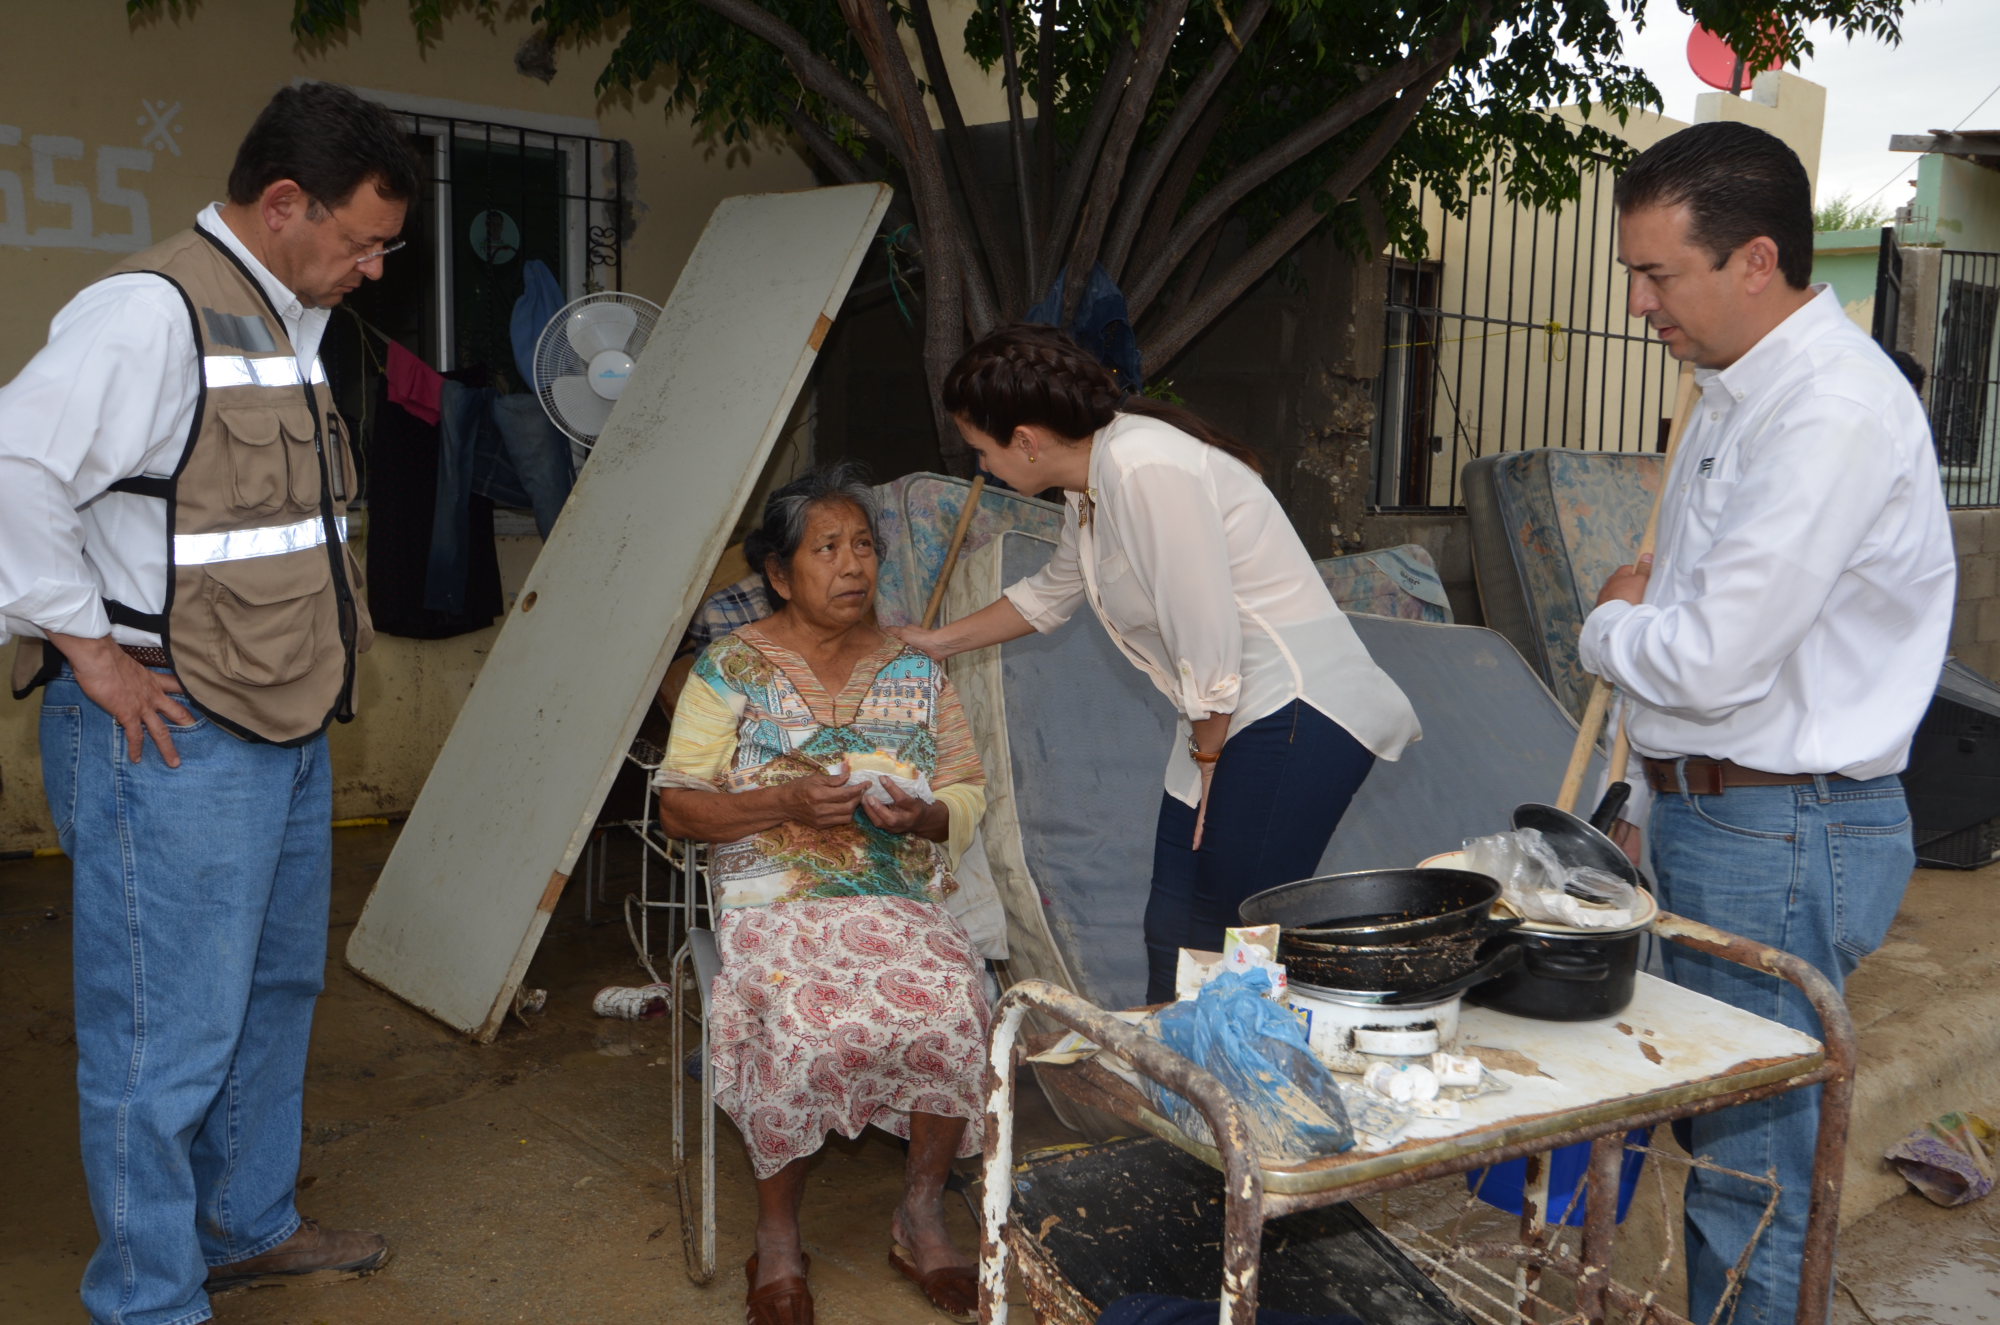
848,994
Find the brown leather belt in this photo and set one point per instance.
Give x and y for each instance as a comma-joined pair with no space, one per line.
1712,777
145,655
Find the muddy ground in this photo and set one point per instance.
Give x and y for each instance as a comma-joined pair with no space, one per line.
530,1179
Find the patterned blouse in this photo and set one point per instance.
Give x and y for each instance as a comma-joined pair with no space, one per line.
755,715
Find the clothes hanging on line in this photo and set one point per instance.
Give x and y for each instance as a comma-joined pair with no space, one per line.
414,384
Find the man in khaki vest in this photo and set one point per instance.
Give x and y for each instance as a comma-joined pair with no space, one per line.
173,554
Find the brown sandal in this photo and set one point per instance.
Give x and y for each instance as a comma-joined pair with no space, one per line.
953,1290
784,1302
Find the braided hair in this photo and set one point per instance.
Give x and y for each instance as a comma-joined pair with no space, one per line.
1033,375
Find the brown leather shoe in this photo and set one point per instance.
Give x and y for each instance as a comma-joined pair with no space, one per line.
326,1253
782,1302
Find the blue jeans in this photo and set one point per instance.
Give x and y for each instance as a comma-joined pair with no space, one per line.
1279,790
200,947
1817,870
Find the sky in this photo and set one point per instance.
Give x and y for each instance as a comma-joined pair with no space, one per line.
1942,70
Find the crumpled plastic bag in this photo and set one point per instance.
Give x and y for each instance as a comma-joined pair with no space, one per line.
918,786
1540,887
1257,1049
1949,1160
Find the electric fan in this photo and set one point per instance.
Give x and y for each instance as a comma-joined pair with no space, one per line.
584,357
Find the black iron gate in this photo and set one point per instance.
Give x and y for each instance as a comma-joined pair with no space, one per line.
1508,333
1965,378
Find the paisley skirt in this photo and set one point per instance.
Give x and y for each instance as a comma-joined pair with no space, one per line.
830,1015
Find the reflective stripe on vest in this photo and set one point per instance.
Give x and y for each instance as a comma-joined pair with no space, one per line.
221,370
243,544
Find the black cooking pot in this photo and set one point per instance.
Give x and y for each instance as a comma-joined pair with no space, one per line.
1398,906
1564,975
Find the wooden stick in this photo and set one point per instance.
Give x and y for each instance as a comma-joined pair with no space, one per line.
1592,724
951,553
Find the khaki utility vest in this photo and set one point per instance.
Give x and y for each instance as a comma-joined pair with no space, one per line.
264,611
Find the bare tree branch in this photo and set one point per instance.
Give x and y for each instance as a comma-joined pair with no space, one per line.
814,73
1156,43
1135,201
1283,237
1082,166
1045,141
1263,167
1017,140
1194,269
1173,190
955,300
824,149
965,166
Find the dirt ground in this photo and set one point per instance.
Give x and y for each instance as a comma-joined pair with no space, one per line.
530,1179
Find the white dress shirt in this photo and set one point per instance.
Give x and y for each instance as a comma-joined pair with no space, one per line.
1200,579
111,396
1802,592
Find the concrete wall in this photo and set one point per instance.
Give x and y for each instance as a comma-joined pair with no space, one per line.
1846,260
1975,630
118,133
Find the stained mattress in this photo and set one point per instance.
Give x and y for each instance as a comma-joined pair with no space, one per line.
1075,741
1548,528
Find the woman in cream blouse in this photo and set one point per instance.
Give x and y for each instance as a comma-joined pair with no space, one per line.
1197,574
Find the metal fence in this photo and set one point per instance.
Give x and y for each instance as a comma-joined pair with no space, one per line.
1509,332
1964,388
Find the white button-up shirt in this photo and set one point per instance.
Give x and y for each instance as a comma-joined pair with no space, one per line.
111,396
1200,579
1802,591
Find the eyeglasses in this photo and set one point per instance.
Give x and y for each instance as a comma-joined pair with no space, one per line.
357,248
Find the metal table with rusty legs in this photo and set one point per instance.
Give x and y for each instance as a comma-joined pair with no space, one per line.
1671,1054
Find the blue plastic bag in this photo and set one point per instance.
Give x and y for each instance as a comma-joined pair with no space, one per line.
1257,1049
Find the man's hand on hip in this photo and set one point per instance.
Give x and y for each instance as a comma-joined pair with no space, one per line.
140,700
1628,583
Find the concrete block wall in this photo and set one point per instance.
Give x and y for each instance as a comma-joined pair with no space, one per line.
1975,630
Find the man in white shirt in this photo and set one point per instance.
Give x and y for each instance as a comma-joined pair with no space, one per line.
1779,651
173,486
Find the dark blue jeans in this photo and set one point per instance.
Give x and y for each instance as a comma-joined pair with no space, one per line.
1278,793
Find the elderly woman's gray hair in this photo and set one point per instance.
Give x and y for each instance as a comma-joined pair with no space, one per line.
787,509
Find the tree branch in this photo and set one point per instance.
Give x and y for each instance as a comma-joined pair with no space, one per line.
1180,177
814,73
824,149
1263,167
1017,141
1156,43
965,166
937,219
1283,237
1082,166
1045,141
1135,202
1194,269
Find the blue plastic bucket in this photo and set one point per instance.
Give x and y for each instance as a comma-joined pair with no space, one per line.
1500,1185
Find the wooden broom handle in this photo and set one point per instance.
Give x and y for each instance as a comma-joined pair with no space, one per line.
1592,723
951,553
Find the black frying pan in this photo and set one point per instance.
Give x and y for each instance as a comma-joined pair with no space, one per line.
1375,906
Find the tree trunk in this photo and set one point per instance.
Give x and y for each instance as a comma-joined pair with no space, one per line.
1323,477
